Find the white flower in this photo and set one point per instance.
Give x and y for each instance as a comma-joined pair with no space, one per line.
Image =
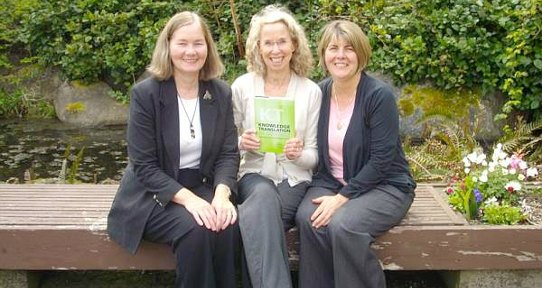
504,171
512,171
498,153
467,170
476,158
472,157
532,172
514,185
521,177
466,162
491,166
522,165
484,163
492,200
483,177
480,158
505,162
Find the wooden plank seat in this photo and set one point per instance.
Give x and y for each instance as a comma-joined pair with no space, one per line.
62,227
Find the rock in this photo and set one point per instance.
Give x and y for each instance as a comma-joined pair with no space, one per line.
469,110
45,84
89,105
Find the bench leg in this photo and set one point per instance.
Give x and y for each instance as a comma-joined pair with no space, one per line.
19,279
493,278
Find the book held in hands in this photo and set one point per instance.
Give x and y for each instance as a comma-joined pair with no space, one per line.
274,122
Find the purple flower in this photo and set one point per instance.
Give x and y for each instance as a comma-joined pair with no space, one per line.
478,196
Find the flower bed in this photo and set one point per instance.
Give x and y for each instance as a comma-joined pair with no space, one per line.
493,190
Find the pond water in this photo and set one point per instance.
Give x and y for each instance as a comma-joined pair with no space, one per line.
36,149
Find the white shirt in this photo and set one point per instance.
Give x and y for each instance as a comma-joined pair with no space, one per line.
189,147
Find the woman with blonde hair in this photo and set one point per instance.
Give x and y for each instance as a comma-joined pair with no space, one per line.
271,185
352,199
183,159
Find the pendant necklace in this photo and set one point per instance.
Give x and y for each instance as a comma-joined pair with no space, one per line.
191,120
340,114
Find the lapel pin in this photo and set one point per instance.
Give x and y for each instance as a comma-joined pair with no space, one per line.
207,95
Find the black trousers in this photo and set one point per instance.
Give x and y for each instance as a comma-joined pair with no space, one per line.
204,258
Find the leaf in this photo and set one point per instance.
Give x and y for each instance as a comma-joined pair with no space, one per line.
538,63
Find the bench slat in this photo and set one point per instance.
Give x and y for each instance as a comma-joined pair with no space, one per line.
78,205
63,227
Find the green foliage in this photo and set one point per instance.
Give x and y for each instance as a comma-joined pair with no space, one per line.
11,104
96,40
69,174
434,160
502,214
11,14
20,101
467,198
461,45
525,139
447,131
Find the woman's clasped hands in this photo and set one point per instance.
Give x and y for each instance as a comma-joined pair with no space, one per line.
217,215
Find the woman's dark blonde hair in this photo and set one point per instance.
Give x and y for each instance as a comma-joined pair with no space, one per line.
301,62
161,66
352,34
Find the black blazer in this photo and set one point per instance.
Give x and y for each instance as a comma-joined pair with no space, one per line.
372,150
153,150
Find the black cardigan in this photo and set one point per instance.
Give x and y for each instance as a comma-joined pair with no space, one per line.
372,151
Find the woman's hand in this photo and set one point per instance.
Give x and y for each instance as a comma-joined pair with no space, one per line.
293,148
249,141
201,210
327,206
225,211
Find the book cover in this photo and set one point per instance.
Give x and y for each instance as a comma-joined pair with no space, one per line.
274,122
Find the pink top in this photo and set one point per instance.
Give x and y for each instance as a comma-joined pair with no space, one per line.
338,124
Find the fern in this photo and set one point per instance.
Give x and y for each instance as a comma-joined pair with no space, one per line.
525,139
445,143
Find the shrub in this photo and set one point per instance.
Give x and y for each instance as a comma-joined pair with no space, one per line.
459,45
463,44
95,40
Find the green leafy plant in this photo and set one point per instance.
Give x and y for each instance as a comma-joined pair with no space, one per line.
525,139
502,214
445,136
23,103
69,174
462,44
490,184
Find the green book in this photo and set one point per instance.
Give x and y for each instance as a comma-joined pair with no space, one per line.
274,121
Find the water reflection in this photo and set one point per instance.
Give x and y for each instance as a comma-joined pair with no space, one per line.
37,149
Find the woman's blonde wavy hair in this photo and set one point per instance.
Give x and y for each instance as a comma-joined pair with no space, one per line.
301,62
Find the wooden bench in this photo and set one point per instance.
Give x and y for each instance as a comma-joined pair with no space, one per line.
62,227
